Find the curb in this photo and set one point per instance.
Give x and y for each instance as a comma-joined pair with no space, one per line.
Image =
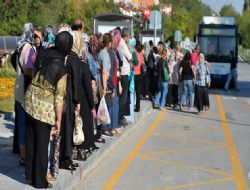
66,180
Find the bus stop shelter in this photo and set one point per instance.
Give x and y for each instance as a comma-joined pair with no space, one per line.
105,22
147,35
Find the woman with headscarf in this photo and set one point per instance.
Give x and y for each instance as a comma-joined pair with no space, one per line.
26,54
43,104
202,82
72,104
86,100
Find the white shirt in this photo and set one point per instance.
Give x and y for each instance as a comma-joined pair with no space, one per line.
125,56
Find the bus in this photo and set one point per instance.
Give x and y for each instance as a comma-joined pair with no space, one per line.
217,37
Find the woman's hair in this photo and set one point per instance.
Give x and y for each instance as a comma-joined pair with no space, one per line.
105,40
164,51
155,50
187,56
138,47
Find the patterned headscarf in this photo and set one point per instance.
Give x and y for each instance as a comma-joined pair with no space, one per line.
63,27
131,43
27,36
93,43
77,42
48,36
116,36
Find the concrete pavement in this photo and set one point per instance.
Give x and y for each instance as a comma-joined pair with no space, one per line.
12,174
179,150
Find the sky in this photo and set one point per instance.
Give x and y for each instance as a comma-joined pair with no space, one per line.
216,5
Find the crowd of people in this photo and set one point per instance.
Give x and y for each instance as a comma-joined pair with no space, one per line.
63,72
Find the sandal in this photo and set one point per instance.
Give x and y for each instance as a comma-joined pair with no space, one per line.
67,166
74,164
21,161
49,186
100,140
50,177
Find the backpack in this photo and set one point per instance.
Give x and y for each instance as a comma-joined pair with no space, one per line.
14,59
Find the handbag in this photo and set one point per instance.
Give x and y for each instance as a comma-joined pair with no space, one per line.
78,136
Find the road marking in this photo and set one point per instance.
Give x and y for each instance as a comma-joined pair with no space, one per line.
238,172
188,138
195,184
184,165
184,150
126,162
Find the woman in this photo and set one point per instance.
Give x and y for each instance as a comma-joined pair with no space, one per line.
202,82
26,55
106,81
138,75
163,79
187,74
174,64
43,104
72,104
86,100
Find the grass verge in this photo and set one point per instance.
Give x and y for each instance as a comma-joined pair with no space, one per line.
245,53
6,104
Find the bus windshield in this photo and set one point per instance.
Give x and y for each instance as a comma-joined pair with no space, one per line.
217,48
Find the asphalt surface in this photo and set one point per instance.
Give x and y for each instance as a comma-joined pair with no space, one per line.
180,150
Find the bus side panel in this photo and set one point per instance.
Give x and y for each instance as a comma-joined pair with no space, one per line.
219,72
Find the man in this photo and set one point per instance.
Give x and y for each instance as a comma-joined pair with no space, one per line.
233,72
78,25
126,58
195,54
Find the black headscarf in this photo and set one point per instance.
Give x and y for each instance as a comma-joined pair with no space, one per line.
50,62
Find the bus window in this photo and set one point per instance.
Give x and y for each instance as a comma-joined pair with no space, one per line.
226,44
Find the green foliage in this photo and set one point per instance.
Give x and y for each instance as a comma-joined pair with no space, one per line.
13,15
7,71
87,10
186,18
244,28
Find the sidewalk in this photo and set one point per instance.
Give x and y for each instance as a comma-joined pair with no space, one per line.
12,175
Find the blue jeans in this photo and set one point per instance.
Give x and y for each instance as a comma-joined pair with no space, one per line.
160,98
187,89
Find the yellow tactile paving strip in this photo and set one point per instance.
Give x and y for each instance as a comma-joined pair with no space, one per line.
176,133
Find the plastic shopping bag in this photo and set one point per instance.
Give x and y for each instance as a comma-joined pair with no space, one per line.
78,135
103,117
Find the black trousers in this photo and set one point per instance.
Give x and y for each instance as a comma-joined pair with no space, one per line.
172,97
124,96
138,86
37,141
145,84
202,98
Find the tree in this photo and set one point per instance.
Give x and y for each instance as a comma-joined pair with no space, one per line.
244,27
87,10
13,16
229,10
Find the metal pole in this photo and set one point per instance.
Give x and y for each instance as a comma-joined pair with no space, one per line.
155,29
132,27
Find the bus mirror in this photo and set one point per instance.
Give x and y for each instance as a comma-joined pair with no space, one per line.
240,40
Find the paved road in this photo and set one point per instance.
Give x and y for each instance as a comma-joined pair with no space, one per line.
179,150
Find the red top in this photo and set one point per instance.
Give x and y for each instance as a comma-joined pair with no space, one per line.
195,55
140,59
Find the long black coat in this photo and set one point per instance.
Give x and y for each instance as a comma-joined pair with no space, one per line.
87,104
71,99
